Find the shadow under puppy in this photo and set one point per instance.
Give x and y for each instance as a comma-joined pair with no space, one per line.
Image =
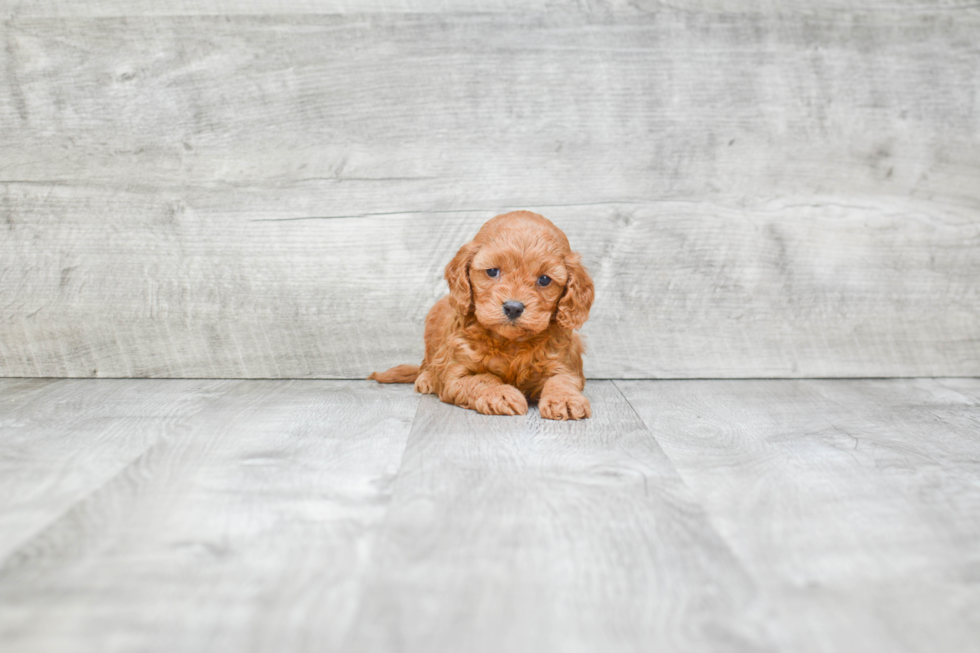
506,331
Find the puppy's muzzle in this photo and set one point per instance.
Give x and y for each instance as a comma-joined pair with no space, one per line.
513,309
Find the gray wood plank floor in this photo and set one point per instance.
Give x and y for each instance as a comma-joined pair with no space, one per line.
183,515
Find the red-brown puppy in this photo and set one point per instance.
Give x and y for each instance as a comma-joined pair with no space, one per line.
506,332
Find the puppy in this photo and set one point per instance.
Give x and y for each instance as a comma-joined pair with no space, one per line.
506,332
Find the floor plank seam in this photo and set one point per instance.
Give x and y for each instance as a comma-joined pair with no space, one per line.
39,534
737,558
381,527
649,430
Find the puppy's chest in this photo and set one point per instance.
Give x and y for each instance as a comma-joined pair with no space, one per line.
519,366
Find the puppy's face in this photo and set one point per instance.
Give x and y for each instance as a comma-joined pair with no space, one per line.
518,275
516,287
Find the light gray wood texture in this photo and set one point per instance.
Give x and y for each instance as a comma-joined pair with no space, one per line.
117,8
854,504
64,440
761,189
245,529
524,534
345,516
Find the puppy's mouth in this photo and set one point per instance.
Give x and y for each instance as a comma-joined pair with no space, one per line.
517,329
510,330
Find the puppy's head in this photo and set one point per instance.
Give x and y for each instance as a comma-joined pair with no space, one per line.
518,275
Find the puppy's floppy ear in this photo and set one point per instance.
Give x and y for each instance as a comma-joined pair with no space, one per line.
458,277
574,305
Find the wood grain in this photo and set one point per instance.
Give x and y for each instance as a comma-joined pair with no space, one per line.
453,112
116,8
683,290
522,534
245,530
62,440
759,192
855,504
176,515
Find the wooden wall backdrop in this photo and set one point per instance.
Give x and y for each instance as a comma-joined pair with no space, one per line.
272,189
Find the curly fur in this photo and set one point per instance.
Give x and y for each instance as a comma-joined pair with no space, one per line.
476,357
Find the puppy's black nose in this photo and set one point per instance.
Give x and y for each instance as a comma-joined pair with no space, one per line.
513,310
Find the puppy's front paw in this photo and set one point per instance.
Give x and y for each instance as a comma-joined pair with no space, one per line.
564,406
423,384
501,400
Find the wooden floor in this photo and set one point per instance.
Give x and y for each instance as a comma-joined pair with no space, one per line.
190,515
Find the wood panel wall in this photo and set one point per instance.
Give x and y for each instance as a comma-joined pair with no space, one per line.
272,189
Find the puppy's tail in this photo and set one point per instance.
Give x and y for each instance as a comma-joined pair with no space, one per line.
397,374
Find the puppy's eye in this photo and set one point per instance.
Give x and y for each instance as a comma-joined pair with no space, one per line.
493,273
544,280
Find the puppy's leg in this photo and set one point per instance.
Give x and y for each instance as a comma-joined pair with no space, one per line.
484,393
562,398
